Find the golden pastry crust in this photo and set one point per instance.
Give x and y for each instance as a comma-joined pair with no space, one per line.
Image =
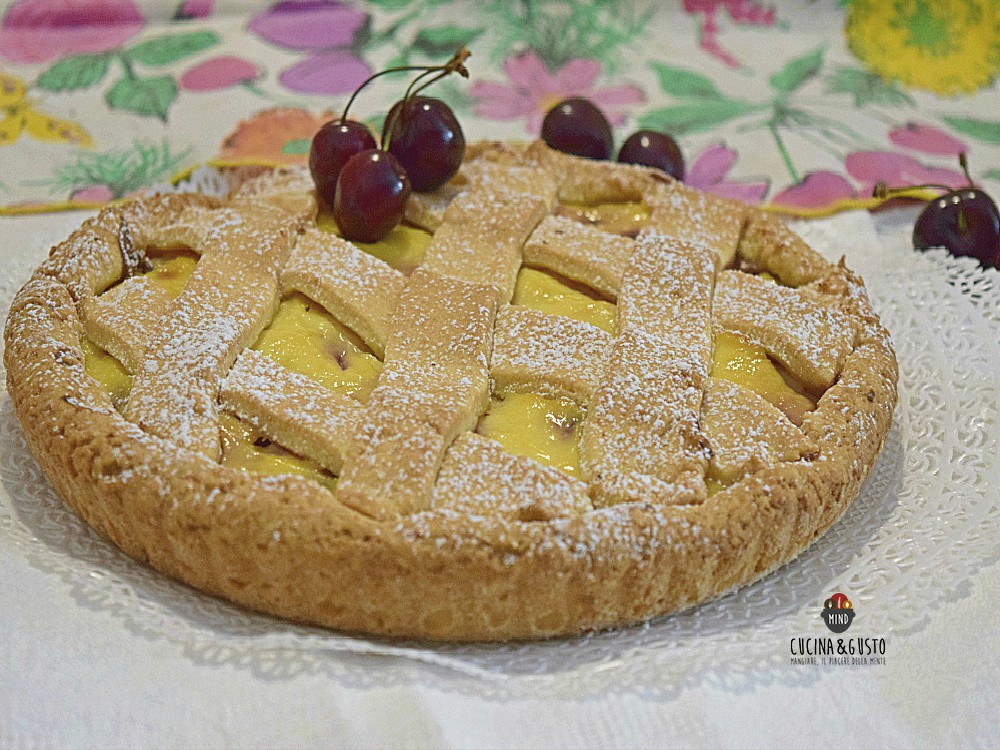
477,544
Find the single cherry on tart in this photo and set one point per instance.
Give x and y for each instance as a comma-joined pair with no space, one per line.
334,143
371,196
652,149
576,126
426,139
965,221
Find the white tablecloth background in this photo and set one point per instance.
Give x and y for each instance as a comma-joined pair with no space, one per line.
76,673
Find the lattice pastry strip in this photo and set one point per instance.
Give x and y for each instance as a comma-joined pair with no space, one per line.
548,354
705,222
291,409
580,252
229,298
291,190
223,309
668,293
355,287
434,385
641,440
745,433
804,329
123,319
481,238
479,476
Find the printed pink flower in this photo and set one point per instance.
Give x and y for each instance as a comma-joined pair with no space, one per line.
34,31
896,170
93,194
219,73
533,91
327,30
195,9
709,171
741,11
816,190
927,139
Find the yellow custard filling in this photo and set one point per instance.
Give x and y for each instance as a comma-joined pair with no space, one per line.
107,371
403,248
544,429
616,218
739,361
248,449
171,269
543,291
306,339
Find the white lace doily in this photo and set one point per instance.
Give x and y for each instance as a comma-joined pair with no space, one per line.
925,520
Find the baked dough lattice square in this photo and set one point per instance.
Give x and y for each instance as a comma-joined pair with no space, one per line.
720,416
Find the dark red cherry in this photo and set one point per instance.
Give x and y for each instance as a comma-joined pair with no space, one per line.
427,140
965,221
652,149
576,126
332,146
372,191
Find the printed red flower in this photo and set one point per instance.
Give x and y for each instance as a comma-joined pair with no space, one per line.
927,139
34,31
709,170
219,73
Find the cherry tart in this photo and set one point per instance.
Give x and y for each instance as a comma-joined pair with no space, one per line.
565,395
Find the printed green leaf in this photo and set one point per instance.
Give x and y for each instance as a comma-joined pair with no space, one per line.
685,83
72,73
797,71
144,96
987,131
446,39
163,50
992,174
692,117
124,171
866,88
297,146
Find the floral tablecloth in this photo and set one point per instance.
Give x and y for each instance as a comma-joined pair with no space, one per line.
805,105
801,105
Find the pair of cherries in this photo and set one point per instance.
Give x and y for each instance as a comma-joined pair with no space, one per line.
367,187
575,126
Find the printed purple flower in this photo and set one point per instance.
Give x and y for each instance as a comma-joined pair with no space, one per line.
533,91
816,190
218,73
927,139
325,28
709,170
35,31
896,170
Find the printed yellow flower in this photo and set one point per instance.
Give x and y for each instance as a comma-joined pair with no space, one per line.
18,116
944,46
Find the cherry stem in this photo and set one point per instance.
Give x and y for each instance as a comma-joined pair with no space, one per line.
400,69
882,191
965,168
455,65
